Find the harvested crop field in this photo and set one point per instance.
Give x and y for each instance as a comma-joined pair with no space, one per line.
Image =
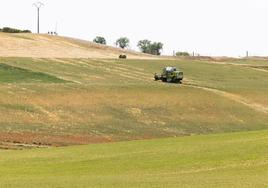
59,101
47,46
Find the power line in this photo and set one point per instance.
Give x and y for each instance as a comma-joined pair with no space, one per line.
38,5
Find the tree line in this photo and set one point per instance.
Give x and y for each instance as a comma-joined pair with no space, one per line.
13,30
145,46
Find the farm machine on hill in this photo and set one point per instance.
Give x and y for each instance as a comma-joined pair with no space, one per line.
170,75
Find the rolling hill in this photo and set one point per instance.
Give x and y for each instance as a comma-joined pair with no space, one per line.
47,46
63,101
209,131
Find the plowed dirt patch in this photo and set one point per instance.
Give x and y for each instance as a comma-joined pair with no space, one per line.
51,140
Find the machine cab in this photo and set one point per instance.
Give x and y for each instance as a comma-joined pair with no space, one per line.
169,69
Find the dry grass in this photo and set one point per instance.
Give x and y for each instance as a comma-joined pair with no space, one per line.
110,100
113,113
46,46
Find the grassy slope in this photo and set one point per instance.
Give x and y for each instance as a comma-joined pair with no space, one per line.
10,74
241,80
47,46
117,100
226,160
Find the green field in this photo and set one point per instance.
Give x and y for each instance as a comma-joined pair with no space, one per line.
225,160
10,74
210,131
80,101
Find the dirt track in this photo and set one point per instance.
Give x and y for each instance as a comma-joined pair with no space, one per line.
236,98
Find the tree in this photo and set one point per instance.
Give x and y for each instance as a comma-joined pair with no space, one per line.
100,40
150,48
156,47
123,42
144,45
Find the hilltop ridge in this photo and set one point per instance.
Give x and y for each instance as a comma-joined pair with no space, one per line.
47,46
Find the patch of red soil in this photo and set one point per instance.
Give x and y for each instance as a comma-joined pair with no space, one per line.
52,140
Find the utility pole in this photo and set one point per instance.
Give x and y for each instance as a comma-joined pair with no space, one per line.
38,5
56,28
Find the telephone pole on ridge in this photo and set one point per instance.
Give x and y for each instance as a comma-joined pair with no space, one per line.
38,5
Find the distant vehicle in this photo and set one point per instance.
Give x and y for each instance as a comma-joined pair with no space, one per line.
122,56
170,75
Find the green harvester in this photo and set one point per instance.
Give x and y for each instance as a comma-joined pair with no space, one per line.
170,75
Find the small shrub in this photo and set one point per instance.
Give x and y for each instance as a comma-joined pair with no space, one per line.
185,54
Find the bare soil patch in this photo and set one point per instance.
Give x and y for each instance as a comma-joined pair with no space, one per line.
38,140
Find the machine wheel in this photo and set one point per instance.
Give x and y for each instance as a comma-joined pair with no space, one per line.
169,80
177,81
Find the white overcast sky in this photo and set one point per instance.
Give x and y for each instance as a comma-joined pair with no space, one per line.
208,27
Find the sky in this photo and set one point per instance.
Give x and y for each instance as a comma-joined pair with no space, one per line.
206,27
